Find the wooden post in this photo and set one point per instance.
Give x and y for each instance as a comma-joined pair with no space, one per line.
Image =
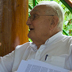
69,2
13,25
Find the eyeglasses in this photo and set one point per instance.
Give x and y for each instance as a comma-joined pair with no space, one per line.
36,16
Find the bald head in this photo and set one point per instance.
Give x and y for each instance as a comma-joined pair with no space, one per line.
45,9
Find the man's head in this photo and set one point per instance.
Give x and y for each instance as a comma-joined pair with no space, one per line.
46,20
58,9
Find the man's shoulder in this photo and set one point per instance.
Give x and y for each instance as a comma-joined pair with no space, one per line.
67,37
23,46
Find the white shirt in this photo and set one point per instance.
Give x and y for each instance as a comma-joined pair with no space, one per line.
57,51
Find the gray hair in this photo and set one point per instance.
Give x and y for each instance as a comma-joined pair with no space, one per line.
58,10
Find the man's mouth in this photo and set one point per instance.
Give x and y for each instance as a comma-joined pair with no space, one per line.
31,29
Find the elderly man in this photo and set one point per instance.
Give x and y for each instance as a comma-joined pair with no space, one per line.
45,24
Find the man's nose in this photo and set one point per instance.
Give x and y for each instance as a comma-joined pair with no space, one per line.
28,21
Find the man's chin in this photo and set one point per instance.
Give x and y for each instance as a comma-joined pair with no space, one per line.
29,35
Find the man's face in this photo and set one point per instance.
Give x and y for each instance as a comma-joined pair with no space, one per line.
39,23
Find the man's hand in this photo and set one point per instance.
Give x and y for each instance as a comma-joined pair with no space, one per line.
70,71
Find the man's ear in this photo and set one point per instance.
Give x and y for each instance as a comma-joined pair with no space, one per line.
54,22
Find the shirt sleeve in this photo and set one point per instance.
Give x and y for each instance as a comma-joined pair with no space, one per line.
70,57
6,62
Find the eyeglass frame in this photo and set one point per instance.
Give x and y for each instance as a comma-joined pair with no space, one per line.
38,15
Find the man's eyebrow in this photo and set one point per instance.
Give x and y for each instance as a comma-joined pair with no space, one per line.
35,11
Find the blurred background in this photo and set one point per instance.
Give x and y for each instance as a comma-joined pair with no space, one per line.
13,17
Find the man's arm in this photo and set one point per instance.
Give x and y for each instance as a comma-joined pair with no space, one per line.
6,62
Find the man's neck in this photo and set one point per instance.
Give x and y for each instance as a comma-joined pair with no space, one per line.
38,44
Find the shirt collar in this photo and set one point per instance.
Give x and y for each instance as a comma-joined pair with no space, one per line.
51,39
54,37
33,46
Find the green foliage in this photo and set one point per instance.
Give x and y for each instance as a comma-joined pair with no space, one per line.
67,24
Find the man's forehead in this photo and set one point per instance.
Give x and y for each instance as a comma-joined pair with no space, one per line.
39,8
36,9
44,9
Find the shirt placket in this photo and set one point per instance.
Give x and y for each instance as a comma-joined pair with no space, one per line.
39,51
